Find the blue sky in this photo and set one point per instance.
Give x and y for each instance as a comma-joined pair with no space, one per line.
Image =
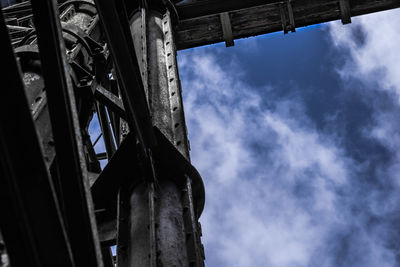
297,139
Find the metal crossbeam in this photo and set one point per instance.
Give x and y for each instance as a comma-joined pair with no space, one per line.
111,101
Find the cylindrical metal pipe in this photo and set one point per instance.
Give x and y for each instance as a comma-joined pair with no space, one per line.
171,245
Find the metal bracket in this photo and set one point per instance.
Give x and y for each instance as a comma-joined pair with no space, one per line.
286,12
92,47
345,11
110,100
226,28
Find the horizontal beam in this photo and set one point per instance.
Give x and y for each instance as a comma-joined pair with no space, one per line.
212,7
262,19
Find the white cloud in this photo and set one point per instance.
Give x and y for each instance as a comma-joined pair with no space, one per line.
375,56
375,61
270,176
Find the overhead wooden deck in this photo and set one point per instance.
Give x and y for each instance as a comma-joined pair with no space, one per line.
205,22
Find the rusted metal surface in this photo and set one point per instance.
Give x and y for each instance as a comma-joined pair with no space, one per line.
195,248
171,245
176,111
152,231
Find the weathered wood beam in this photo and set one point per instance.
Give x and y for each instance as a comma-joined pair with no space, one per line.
213,7
266,18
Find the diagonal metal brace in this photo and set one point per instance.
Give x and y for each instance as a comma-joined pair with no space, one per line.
110,100
128,72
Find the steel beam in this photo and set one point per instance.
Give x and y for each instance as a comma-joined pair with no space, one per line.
71,163
106,130
111,101
195,248
128,73
167,90
31,220
152,227
162,82
136,243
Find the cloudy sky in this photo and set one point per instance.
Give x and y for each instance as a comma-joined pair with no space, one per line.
297,139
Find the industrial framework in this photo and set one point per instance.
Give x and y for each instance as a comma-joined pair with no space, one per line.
65,63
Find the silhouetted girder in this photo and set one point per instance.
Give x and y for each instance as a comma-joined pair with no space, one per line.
200,22
31,220
78,208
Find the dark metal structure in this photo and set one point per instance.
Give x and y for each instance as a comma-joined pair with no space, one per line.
69,61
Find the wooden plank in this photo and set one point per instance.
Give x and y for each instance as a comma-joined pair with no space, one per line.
203,8
266,18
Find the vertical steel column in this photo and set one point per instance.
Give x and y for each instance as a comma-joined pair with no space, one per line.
164,95
106,130
151,216
136,244
79,212
179,138
175,222
161,208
